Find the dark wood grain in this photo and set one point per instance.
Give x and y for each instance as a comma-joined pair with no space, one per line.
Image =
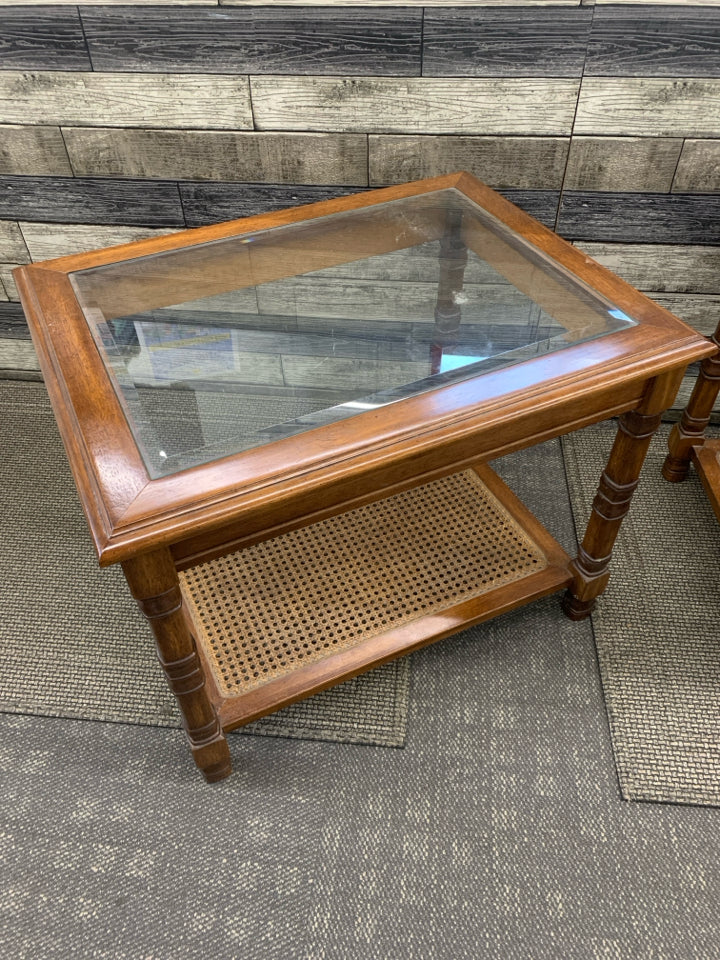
375,42
153,203
12,321
640,218
206,203
42,38
638,41
541,204
516,42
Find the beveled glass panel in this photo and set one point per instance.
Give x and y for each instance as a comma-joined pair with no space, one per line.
224,346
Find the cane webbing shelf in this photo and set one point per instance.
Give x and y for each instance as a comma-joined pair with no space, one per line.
291,610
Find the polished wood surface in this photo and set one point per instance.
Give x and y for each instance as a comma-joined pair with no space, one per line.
157,526
687,435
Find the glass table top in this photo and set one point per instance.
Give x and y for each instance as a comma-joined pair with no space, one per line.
224,346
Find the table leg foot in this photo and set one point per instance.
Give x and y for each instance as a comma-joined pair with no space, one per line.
213,759
153,581
576,609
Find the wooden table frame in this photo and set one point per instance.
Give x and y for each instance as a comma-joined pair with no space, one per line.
156,527
687,443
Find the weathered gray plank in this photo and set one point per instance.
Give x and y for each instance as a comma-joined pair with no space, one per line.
663,268
12,319
699,168
385,300
132,100
381,105
153,203
123,3
635,106
541,204
6,278
622,163
640,217
512,42
702,312
3,292
668,41
346,373
44,39
214,202
659,3
212,155
46,241
12,245
534,162
255,40
394,3
16,354
33,151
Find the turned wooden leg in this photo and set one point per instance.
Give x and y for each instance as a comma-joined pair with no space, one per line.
612,501
153,581
688,433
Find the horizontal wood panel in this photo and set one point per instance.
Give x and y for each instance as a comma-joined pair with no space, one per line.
12,319
83,200
6,278
206,203
635,106
699,167
663,268
255,40
45,241
355,299
17,354
132,100
622,163
12,245
42,39
673,41
702,312
534,162
217,155
640,217
33,151
513,42
378,105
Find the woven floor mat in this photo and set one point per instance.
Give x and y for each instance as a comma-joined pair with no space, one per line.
656,627
72,642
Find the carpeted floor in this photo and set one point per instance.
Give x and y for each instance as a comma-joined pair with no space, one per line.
497,832
656,627
73,643
70,655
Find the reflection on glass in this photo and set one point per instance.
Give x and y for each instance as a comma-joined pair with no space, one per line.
229,345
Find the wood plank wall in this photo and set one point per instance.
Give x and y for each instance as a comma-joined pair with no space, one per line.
125,119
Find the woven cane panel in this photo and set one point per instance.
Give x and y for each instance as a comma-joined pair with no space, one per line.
303,596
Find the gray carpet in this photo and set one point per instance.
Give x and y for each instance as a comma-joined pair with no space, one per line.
73,643
496,834
656,627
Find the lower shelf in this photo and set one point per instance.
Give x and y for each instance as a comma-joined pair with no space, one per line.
287,617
